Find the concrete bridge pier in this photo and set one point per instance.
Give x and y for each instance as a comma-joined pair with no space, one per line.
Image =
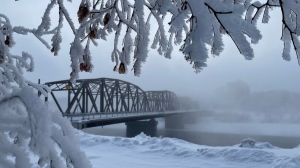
78,125
174,122
136,127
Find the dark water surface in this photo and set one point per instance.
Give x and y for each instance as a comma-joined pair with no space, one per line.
220,134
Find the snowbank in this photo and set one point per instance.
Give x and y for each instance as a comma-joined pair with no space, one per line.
148,152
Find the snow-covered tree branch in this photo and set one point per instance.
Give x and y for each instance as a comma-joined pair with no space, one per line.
290,21
193,24
27,128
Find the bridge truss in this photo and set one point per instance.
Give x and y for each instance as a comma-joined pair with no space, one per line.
106,95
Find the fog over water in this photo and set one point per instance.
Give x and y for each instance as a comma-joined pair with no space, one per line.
235,102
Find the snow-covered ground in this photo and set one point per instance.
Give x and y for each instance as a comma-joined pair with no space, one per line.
146,152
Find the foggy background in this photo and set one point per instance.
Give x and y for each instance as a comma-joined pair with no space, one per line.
236,102
263,90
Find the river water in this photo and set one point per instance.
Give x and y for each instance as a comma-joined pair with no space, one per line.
219,134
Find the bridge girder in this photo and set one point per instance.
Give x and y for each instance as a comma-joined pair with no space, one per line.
162,100
106,95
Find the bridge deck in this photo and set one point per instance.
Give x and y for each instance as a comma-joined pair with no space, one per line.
94,120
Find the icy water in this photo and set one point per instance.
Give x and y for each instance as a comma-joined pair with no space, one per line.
220,134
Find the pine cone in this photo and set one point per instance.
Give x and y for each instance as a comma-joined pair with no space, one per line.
92,34
122,69
106,19
83,11
84,67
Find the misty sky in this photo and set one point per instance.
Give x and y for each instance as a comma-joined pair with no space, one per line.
267,71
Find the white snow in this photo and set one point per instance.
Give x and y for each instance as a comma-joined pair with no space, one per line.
147,152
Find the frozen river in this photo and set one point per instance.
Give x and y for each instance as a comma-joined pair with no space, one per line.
220,134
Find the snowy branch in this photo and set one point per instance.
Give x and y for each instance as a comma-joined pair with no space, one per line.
34,130
203,23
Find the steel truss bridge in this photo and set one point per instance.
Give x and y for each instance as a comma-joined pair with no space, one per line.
105,95
109,98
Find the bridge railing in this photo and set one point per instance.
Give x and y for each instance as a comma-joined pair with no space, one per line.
91,116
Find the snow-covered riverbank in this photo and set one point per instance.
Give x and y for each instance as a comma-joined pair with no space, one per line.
146,152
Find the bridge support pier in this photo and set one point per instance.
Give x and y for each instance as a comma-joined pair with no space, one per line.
78,125
136,127
174,122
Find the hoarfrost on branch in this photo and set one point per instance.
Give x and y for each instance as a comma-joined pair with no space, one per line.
193,24
27,127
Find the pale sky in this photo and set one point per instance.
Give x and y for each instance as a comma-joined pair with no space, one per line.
267,71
